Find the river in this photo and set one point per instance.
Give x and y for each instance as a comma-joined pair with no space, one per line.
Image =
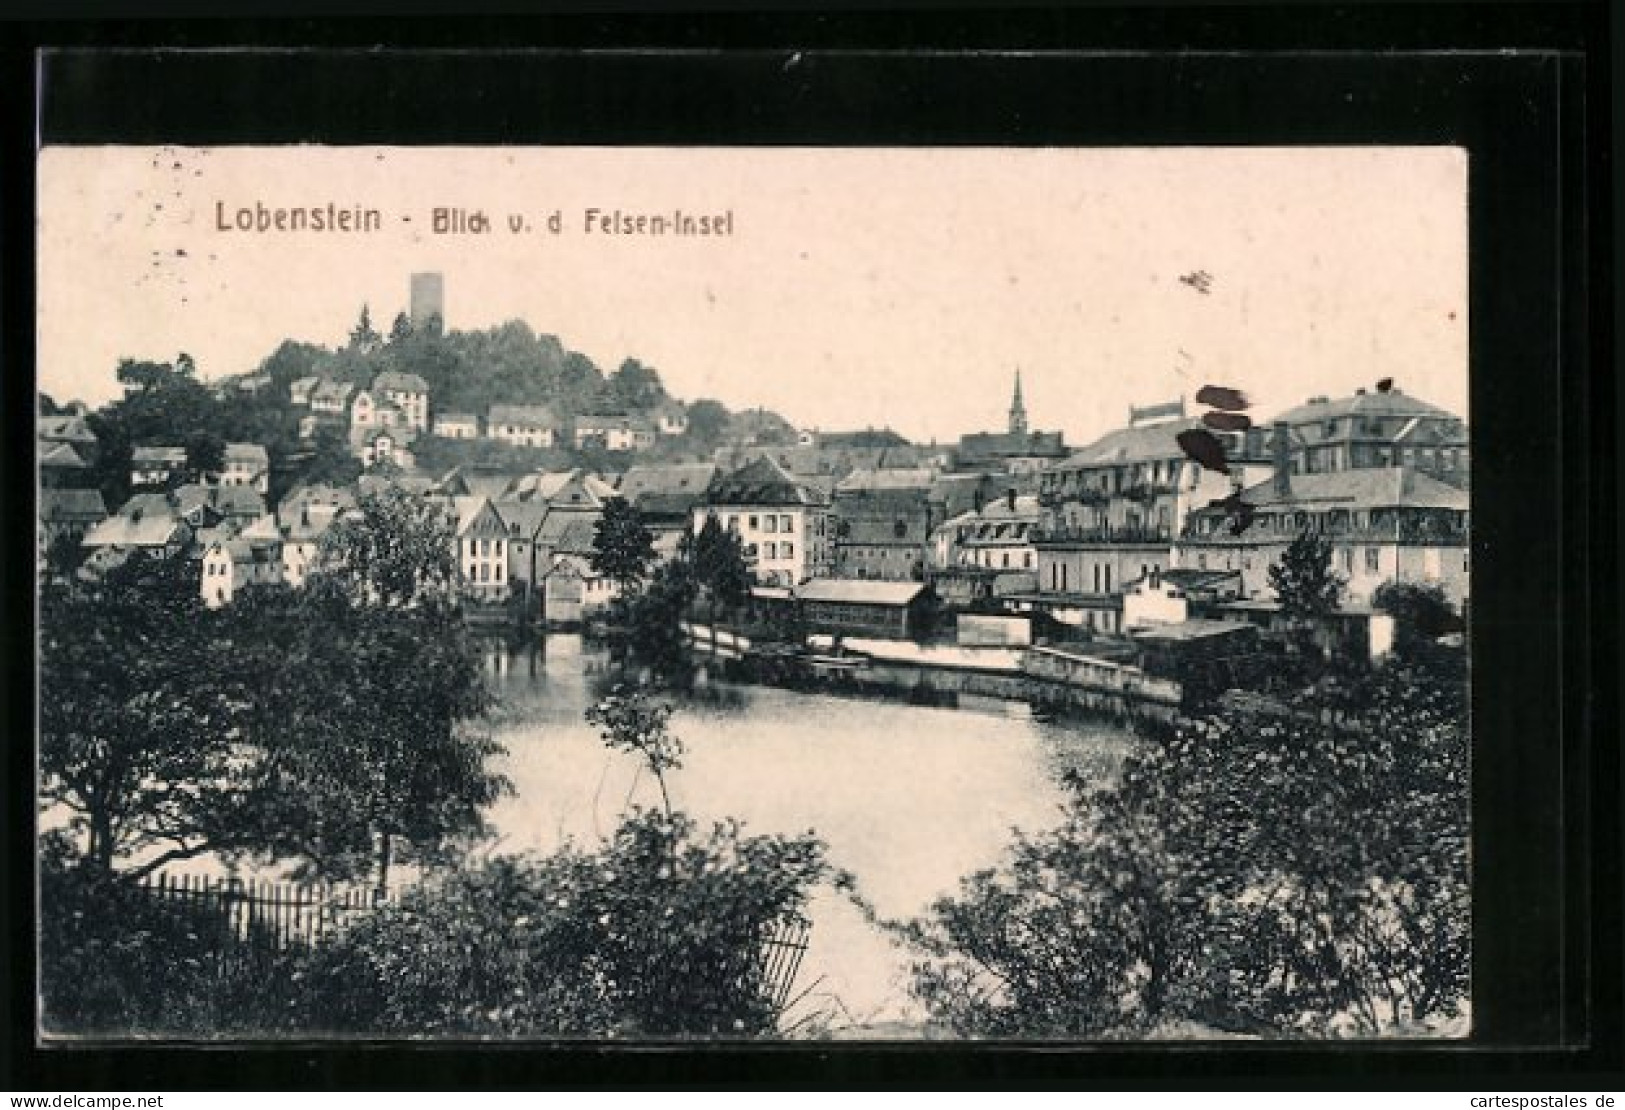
908,798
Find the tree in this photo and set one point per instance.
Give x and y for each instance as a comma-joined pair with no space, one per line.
707,421
717,557
396,552
634,385
369,721
205,456
1303,580
1218,881
137,730
401,330
623,549
364,337
330,461
630,721
1422,613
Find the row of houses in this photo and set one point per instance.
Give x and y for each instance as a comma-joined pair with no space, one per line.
398,404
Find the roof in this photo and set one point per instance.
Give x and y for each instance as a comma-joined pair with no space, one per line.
61,456
144,525
1189,578
329,390
859,591
176,455
1365,403
1013,444
1375,488
1191,630
71,504
999,509
528,515
456,418
881,531
1146,443
247,452
690,479
568,533
867,480
763,481
400,382
72,429
476,515
532,415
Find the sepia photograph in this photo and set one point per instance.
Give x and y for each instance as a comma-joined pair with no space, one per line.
736,594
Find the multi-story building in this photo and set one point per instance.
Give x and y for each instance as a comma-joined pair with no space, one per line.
1017,450
247,464
783,522
883,524
1377,428
614,431
522,425
456,425
331,399
482,548
407,392
231,565
1382,524
156,466
1113,509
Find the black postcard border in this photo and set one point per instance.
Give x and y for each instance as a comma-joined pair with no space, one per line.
1546,761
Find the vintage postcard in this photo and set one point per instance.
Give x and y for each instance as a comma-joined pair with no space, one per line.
537,593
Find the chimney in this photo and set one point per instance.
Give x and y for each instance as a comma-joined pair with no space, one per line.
1282,453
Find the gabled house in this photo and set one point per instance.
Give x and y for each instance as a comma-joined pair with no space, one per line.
155,466
671,418
614,431
482,549
60,465
331,398
408,392
301,389
247,464
783,522
456,425
148,522
522,425
229,566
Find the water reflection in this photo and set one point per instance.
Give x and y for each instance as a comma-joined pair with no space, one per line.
909,798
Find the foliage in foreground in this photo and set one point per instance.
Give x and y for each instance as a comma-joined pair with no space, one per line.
661,932
115,961
1298,873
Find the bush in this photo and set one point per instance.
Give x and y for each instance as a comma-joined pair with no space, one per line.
659,933
116,960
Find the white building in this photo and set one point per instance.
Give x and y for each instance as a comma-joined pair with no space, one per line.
522,425
784,524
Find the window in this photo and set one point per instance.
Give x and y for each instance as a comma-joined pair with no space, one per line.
499,572
770,550
485,547
788,550
787,523
1373,560
485,572
753,522
733,522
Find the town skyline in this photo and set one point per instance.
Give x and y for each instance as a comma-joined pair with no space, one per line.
1150,319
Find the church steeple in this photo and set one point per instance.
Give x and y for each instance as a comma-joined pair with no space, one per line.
1018,411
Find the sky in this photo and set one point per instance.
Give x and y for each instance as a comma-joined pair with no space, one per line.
859,287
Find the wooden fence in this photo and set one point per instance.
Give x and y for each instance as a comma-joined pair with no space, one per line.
277,916
254,920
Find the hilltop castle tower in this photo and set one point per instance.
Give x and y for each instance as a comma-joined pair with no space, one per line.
1018,411
428,298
